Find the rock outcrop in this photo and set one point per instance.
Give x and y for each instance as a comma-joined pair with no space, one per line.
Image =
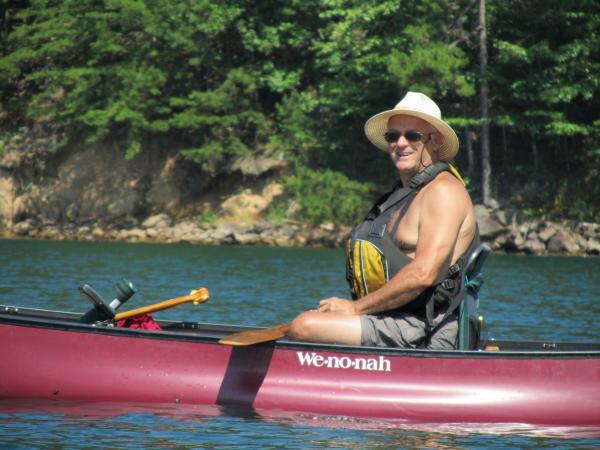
515,232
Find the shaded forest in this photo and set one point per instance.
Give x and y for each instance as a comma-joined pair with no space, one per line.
296,80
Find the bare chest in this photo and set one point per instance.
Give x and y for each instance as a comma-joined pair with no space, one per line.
403,226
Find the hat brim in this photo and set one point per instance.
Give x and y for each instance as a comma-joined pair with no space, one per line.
377,126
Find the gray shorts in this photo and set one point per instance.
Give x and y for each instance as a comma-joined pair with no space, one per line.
408,331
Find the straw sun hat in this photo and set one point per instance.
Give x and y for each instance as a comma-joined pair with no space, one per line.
417,105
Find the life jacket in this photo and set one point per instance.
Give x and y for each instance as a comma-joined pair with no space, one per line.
373,257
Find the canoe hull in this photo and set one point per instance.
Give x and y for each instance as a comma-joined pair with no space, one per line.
76,362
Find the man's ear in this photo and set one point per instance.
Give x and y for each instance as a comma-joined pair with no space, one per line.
436,140
439,140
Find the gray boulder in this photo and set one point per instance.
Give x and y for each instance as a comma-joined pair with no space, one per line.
157,221
563,242
489,227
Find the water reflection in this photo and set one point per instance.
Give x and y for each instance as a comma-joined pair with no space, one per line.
125,413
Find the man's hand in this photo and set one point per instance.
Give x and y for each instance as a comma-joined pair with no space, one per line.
338,305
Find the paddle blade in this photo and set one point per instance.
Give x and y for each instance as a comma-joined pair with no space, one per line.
252,337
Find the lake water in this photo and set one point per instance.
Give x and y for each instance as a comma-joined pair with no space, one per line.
541,298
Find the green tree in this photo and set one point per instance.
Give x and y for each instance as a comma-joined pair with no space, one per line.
367,55
297,79
545,85
135,71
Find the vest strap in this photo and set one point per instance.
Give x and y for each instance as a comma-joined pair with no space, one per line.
394,198
453,288
377,229
428,174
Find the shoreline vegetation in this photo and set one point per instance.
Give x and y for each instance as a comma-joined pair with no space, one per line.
217,123
91,193
505,231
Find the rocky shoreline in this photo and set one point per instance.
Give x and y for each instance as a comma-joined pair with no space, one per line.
505,231
91,193
160,229
516,232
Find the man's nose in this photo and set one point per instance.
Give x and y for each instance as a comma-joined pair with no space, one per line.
401,141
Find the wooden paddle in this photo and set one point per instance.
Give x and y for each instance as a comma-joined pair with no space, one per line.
252,337
197,296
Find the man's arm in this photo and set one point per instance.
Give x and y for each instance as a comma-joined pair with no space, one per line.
443,207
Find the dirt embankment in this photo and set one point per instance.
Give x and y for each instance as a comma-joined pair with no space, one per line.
93,193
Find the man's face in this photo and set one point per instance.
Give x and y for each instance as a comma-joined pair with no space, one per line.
409,151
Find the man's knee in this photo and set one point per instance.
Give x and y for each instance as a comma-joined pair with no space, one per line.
303,327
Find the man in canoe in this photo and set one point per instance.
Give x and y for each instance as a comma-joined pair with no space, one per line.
405,262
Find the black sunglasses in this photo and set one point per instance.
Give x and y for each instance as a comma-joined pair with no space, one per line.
411,136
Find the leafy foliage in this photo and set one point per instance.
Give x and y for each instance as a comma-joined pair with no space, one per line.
328,196
215,81
545,80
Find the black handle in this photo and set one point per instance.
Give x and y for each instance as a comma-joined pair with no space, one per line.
101,309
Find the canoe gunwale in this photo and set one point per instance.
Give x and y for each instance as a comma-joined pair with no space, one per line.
211,333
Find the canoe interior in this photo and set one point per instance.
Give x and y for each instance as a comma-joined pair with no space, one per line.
213,332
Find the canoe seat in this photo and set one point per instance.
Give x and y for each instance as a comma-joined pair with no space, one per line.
469,326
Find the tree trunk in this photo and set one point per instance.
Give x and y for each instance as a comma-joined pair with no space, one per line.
504,149
486,170
470,155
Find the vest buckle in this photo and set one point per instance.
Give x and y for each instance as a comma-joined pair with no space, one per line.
448,284
377,229
453,270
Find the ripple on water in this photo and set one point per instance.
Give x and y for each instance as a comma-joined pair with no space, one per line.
522,298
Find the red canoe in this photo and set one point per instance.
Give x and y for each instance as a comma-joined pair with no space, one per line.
50,355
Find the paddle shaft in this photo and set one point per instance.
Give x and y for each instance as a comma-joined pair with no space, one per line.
200,295
252,337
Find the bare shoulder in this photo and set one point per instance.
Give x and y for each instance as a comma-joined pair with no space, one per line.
447,206
446,190
446,218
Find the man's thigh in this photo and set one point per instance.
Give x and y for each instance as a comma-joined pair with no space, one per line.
408,331
445,336
397,330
